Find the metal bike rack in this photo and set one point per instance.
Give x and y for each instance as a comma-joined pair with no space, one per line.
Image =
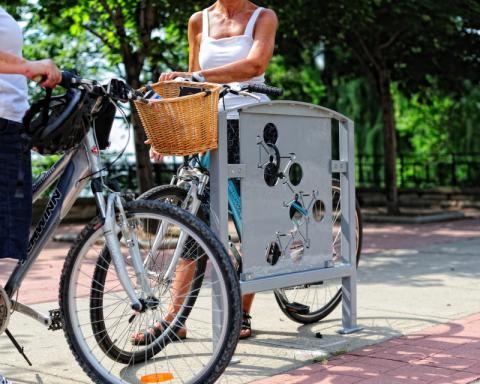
286,168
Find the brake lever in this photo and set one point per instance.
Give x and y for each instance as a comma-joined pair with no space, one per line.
245,93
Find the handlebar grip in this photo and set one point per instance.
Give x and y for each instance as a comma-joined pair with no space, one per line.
39,78
68,79
265,89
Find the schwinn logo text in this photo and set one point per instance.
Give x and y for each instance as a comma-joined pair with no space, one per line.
52,204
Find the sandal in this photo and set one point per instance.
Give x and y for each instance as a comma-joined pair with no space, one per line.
155,331
246,329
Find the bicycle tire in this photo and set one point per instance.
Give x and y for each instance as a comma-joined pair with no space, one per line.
312,316
72,302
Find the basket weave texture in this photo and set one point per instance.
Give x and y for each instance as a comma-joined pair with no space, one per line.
181,125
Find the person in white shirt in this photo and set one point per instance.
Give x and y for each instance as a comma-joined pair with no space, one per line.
15,212
232,41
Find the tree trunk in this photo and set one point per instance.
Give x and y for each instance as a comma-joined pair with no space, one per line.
389,141
144,165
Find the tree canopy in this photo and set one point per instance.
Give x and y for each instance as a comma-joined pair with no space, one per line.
407,64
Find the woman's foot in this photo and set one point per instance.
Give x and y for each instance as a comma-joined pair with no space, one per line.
155,331
246,329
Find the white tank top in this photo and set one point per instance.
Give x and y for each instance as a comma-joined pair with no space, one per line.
13,88
217,52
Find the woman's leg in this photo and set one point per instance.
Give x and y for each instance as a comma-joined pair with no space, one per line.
246,330
180,286
178,291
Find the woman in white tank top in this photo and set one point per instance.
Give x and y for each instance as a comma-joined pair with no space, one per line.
231,41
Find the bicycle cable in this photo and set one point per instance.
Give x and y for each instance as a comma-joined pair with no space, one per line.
128,124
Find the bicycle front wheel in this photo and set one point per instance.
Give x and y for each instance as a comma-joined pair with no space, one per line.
309,303
101,327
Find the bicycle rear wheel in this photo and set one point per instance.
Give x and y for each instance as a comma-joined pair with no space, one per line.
99,322
175,195
309,303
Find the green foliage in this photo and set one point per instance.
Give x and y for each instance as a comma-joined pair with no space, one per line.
432,122
141,37
299,83
429,51
41,164
423,123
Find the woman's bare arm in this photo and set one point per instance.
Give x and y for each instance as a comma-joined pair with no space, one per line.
194,40
11,64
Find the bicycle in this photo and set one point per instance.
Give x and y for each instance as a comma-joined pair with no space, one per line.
116,277
305,303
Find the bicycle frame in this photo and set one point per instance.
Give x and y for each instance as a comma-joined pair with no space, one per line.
197,181
73,170
233,198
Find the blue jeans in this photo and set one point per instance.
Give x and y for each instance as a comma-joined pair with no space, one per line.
15,212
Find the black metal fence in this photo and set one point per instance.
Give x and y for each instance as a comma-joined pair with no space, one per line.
413,170
422,170
125,171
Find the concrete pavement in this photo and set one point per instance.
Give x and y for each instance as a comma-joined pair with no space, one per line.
411,278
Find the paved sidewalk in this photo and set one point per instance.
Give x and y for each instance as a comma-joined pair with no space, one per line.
443,354
413,279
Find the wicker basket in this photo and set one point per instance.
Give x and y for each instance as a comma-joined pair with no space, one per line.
181,125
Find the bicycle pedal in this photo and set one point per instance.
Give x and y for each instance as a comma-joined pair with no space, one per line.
295,307
57,321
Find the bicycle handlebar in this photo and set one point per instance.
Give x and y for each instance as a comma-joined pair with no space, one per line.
263,88
115,89
119,90
68,79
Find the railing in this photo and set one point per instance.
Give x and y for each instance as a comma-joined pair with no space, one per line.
125,171
413,170
422,171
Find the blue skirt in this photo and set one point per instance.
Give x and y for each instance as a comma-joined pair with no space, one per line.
15,212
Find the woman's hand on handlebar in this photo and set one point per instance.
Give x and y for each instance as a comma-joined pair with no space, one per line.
173,75
46,70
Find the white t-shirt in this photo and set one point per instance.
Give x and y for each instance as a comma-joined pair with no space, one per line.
13,88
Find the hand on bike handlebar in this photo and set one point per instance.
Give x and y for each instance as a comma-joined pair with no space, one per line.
44,68
173,75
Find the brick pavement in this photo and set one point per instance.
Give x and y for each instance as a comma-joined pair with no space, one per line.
443,354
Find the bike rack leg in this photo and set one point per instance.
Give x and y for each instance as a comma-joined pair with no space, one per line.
219,213
349,306
347,196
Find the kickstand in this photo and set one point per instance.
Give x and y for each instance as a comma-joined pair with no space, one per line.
19,348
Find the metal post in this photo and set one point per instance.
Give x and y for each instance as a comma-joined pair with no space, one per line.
219,212
348,241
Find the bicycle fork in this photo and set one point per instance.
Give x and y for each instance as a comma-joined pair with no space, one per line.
110,231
